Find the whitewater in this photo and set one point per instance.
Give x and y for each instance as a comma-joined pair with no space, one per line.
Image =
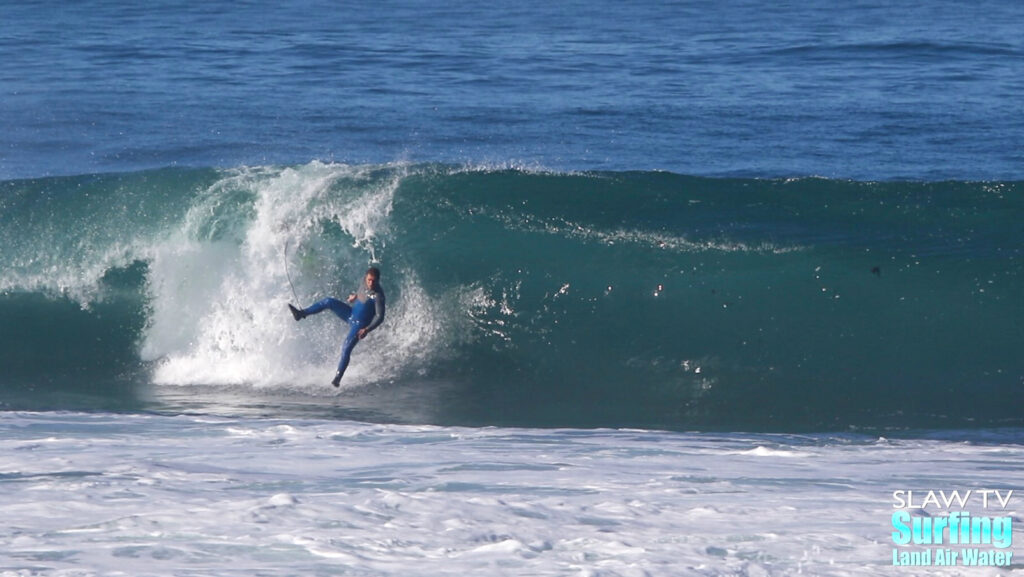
101,494
674,288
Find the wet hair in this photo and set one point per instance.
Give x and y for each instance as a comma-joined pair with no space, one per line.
375,273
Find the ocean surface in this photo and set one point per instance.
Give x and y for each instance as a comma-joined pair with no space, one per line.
675,288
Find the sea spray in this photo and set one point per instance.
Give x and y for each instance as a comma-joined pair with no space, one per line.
336,217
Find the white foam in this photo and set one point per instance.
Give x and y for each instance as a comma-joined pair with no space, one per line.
153,495
769,452
218,292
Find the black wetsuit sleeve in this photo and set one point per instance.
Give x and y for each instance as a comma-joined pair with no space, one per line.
378,314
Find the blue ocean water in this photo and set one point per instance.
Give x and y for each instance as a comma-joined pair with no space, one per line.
865,90
688,288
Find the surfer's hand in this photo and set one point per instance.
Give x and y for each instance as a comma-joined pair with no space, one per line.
362,333
351,297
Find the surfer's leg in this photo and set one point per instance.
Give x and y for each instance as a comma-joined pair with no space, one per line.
334,305
346,353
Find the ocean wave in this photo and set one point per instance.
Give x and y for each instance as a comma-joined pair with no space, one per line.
644,299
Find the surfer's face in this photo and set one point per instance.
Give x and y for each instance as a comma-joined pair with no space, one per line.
370,280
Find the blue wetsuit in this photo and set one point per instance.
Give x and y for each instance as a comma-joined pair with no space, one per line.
366,312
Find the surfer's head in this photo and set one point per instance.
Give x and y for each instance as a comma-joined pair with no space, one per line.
372,277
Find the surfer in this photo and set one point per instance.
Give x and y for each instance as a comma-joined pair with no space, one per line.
363,313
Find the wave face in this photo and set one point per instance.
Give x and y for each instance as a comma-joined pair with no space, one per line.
522,297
